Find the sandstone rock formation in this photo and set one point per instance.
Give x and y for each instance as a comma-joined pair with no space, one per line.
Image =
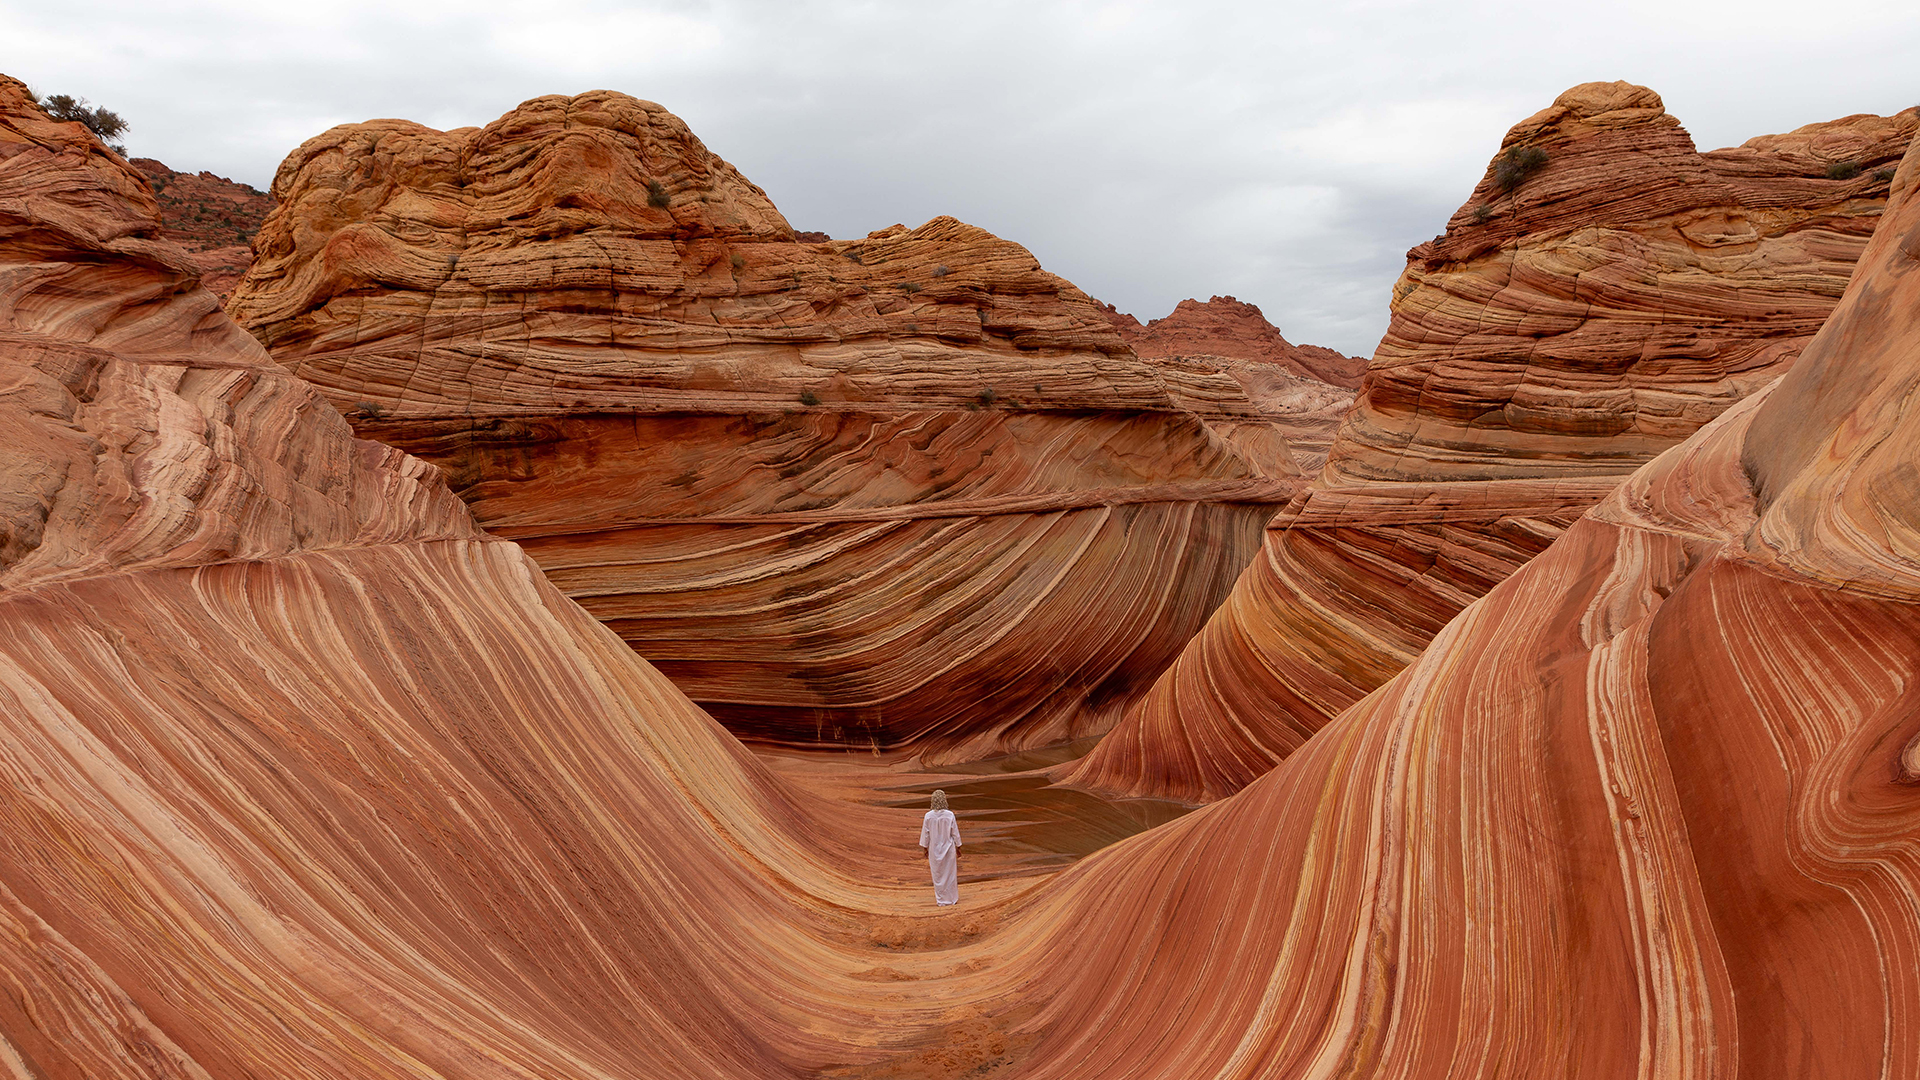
212,217
1592,304
1646,809
1302,391
304,776
1304,412
861,493
1224,326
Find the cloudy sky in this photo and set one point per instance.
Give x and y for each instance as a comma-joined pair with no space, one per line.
1284,153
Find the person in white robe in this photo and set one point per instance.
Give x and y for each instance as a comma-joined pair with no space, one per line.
940,835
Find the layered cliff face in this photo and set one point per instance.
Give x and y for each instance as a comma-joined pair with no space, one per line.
859,493
1605,292
1648,808
1226,326
304,776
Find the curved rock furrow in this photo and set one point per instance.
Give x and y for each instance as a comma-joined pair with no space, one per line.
1566,329
302,775
606,335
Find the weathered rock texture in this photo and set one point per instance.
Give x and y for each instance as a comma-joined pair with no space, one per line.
1304,412
1648,808
366,799
303,776
1566,328
870,493
210,216
1224,326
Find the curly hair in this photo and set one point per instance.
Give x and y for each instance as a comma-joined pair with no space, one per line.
939,800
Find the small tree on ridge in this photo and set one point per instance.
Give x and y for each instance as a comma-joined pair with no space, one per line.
100,120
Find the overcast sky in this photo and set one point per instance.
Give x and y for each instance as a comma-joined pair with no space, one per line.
1287,154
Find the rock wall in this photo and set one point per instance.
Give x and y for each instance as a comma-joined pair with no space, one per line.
301,775
1604,292
856,493
1647,808
364,797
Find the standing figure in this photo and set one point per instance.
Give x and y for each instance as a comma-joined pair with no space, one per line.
940,835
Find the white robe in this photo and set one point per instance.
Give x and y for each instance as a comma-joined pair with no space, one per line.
940,835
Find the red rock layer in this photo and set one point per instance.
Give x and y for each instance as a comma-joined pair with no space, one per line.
1224,326
1648,808
1561,333
1304,412
377,802
858,493
303,776
212,217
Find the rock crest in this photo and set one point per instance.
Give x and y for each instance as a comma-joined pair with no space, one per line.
1225,326
855,493
1608,304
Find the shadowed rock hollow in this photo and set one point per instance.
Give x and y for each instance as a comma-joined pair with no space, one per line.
870,493
1604,292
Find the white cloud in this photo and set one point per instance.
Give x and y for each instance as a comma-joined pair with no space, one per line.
575,36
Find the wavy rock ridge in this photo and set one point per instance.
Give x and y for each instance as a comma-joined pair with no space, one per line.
857,493
1574,321
301,775
379,803
1647,808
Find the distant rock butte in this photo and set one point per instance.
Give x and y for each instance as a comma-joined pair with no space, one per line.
867,493
212,217
1224,326
1564,330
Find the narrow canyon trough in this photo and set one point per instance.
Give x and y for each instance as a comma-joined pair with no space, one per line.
305,773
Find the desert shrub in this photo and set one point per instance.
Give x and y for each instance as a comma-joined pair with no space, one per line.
657,195
1885,175
1843,170
909,287
103,122
737,261
1482,213
1513,166
808,397
368,410
987,397
853,255
941,270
